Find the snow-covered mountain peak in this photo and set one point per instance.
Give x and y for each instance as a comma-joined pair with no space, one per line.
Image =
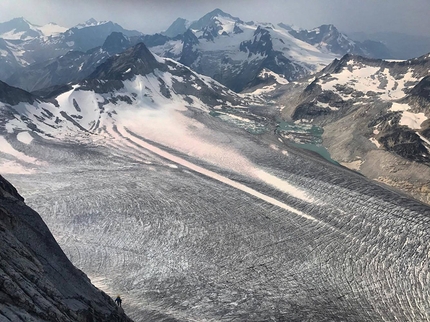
52,29
19,28
234,52
90,23
218,17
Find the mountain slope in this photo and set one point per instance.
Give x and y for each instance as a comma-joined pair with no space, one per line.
178,27
372,110
38,281
19,28
133,78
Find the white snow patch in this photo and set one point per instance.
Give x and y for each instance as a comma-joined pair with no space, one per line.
227,24
52,29
368,78
327,106
279,78
197,87
374,141
412,120
399,107
264,89
24,137
274,147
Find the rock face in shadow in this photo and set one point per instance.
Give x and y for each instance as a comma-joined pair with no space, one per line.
38,282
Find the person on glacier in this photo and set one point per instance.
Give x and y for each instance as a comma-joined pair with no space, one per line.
118,300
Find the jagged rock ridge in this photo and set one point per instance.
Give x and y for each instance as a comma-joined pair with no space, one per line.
328,38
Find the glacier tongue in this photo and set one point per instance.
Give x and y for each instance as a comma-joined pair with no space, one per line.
154,213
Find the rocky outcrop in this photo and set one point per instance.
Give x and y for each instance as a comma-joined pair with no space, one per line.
371,107
38,282
178,27
189,51
137,60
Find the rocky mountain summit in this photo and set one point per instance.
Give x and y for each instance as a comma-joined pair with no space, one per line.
217,45
235,52
375,117
328,38
19,29
38,282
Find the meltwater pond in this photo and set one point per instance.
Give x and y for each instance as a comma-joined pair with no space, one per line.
302,135
305,136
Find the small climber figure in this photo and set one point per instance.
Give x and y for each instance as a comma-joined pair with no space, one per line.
118,300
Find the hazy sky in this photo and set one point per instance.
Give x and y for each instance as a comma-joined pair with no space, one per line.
150,16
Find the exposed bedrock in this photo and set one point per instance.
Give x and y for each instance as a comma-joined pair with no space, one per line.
37,281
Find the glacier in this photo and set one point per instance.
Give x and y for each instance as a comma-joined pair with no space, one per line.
189,218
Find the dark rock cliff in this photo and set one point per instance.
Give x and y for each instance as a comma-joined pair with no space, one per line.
37,281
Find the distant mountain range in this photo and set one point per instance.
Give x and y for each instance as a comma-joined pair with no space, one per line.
217,45
278,64
21,29
23,44
401,46
214,43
